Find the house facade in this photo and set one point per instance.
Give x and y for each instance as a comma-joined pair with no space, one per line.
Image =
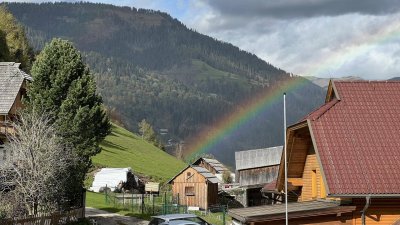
195,186
343,160
13,82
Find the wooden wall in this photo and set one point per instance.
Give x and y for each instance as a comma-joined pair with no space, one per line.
261,175
312,174
205,193
18,100
380,211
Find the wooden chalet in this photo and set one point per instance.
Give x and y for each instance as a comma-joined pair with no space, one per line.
343,160
195,186
13,83
254,169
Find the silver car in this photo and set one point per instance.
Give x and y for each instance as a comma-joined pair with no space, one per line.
177,219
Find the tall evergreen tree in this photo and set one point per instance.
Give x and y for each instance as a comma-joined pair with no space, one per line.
64,89
14,45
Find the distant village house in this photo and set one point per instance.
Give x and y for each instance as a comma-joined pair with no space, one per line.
13,83
195,186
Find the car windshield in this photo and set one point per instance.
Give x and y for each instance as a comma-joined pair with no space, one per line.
156,221
194,219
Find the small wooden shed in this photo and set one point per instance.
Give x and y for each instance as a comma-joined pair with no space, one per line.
195,186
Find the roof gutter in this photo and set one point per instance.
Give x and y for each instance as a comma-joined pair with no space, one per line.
364,211
364,195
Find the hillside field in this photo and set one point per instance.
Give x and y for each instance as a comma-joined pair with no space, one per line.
124,149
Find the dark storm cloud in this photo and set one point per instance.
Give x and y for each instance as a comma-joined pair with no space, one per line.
286,9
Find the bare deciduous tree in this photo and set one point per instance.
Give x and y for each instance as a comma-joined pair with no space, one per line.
36,171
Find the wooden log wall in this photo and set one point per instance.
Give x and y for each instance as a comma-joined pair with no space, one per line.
190,178
261,175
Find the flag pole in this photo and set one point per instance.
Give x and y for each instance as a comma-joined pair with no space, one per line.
284,147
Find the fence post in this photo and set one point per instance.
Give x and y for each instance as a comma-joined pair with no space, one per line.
223,214
123,200
83,202
105,195
142,204
132,202
165,203
153,204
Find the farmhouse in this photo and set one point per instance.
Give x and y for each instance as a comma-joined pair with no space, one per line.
343,160
254,169
195,186
12,91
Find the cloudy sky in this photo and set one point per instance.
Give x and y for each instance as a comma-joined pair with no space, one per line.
324,38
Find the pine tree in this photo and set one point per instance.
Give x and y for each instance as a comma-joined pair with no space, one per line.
64,89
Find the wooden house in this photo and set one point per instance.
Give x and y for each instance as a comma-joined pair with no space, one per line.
254,169
343,160
195,186
13,83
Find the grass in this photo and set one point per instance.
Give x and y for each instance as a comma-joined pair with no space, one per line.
124,149
97,200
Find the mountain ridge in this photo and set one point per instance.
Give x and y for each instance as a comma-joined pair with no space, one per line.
151,66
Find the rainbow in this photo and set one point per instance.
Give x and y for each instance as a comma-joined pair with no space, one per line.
209,138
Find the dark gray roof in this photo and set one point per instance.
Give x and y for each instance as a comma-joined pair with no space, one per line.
258,158
295,209
11,78
204,172
218,166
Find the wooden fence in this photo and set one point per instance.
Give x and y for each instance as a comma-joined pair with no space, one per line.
48,219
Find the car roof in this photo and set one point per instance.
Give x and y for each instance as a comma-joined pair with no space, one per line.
174,216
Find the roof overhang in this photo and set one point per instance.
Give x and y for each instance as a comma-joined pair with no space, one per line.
300,210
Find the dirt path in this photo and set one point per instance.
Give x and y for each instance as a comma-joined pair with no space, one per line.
106,218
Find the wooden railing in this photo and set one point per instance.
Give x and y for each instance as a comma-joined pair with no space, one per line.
6,128
48,219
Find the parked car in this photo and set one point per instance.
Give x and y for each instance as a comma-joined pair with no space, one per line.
177,219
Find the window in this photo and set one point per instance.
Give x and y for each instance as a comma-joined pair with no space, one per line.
189,191
188,174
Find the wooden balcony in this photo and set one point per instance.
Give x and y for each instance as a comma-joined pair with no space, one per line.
6,128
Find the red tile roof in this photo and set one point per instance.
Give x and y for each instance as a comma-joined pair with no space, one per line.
358,138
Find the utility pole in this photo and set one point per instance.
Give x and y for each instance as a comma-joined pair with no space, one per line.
284,147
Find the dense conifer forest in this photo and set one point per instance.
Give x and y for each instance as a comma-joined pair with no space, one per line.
150,66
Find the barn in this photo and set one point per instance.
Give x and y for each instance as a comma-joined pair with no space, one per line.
195,186
254,169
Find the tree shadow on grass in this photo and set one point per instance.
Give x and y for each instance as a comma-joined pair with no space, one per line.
109,144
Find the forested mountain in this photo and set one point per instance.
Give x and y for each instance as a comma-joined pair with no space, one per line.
150,66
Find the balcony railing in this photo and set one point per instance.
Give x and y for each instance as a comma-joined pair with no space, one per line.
6,128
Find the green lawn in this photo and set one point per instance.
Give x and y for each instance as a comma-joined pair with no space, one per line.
124,149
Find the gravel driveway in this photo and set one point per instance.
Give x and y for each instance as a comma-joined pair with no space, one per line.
106,218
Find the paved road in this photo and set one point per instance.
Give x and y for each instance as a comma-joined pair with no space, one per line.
106,218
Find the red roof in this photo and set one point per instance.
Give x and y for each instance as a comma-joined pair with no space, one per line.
358,138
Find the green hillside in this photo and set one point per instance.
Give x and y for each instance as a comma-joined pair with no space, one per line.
124,149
